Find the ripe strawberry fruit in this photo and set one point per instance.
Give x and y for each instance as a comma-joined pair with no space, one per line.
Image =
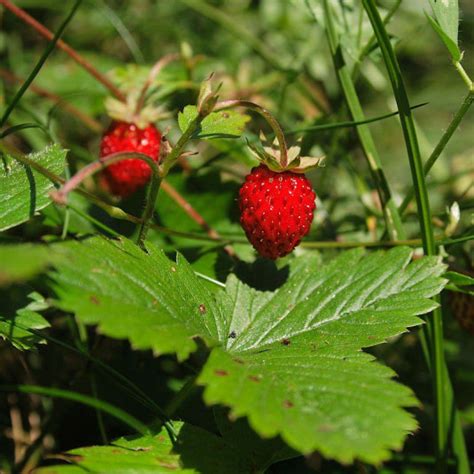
276,210
126,176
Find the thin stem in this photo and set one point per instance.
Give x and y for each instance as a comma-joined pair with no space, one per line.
441,145
43,31
149,209
271,120
54,39
464,75
353,123
60,196
181,396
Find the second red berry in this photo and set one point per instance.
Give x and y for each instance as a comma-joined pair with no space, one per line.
126,176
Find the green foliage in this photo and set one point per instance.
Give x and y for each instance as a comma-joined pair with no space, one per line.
446,24
286,359
195,451
155,303
21,262
24,191
15,329
224,124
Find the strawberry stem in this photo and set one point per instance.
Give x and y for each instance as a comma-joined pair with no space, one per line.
60,196
271,120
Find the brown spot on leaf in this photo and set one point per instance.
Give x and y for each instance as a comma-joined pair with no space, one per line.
325,428
232,335
254,378
286,341
221,373
202,309
288,404
94,299
239,361
167,465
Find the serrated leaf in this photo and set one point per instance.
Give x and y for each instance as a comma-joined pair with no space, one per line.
156,303
21,262
15,329
289,360
446,13
223,124
196,452
294,366
24,191
447,40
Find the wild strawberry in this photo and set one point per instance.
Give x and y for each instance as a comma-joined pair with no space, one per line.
276,210
126,176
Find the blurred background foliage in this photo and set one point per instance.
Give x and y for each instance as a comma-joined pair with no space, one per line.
271,52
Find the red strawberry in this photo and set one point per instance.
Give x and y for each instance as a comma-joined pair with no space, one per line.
276,210
126,176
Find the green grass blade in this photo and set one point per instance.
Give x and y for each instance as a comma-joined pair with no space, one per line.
39,64
392,217
348,124
434,330
105,407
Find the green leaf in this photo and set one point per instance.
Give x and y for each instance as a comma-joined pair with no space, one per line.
22,262
223,124
23,191
446,13
289,360
459,279
15,329
448,42
196,451
294,367
156,303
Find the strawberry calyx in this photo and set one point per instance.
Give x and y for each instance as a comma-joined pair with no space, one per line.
129,111
270,155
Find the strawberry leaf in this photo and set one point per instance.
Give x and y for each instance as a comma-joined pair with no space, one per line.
223,124
289,360
194,452
23,191
156,303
